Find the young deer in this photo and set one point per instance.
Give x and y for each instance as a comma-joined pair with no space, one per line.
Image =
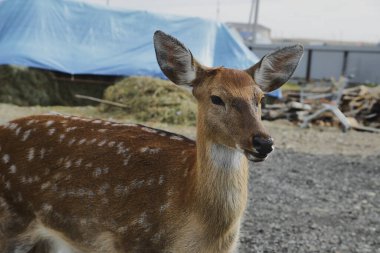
70,184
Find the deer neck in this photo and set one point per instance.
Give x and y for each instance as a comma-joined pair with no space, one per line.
222,183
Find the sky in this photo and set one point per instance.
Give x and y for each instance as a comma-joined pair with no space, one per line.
342,20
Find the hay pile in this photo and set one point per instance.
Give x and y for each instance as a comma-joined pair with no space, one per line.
150,99
25,87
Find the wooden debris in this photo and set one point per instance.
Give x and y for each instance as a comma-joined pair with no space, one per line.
361,106
101,101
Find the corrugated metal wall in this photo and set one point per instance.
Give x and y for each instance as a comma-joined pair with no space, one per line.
321,62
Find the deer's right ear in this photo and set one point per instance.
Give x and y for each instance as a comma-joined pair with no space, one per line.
175,60
275,68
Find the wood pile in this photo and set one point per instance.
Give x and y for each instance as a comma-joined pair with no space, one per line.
361,106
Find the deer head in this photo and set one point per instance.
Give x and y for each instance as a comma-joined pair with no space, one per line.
229,100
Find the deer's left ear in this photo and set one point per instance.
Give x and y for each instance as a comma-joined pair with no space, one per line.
175,60
275,68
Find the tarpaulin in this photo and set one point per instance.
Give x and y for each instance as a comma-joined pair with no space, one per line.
79,38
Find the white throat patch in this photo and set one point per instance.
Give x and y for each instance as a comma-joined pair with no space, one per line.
226,158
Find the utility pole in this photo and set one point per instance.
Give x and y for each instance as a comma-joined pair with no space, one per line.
255,24
254,5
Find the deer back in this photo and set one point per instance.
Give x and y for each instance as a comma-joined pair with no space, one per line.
68,171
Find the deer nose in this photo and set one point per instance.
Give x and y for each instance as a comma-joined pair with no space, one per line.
262,145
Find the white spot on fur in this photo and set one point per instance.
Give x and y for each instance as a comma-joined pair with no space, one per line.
51,131
5,158
121,190
23,180
111,144
161,180
42,153
30,154
103,189
18,131
126,160
101,143
60,161
12,169
102,130
26,134
122,230
135,184
69,129
97,172
92,141
7,185
83,140
186,172
47,207
71,142
149,150
142,220
68,164
104,201
78,162
19,197
121,149
29,122
49,123
176,137
61,137
97,121
149,130
150,181
12,126
164,207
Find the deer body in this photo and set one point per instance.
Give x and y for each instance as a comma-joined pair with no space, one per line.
71,184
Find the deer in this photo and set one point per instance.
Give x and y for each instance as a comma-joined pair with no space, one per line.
80,185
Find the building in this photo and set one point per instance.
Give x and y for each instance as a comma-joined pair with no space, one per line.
246,32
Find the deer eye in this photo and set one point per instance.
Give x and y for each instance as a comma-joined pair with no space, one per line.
217,100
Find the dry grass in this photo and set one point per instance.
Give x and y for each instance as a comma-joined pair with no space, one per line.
151,99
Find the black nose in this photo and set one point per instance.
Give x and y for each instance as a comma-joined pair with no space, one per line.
262,145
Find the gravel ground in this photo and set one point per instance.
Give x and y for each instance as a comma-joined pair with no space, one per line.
319,192
313,203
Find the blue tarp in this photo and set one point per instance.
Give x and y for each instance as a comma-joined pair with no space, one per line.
79,38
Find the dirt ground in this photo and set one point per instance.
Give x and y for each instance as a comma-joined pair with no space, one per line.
319,192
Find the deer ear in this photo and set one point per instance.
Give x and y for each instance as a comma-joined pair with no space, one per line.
174,59
275,68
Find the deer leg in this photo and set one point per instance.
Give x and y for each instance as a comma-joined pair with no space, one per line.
15,229
41,247
18,247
